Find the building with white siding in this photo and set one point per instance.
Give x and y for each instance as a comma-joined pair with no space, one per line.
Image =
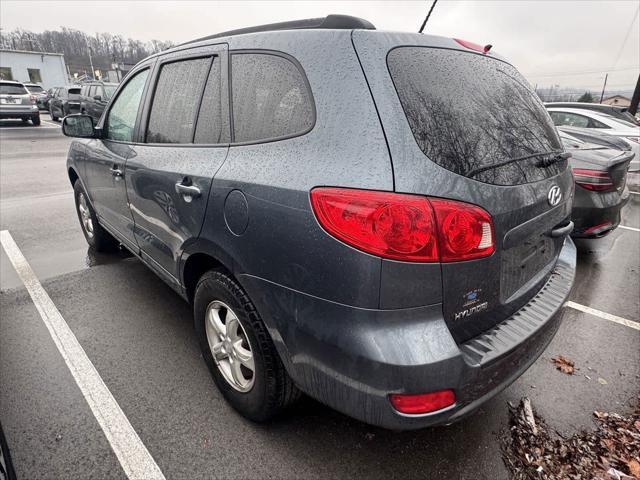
46,69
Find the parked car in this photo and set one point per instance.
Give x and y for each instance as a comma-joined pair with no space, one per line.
620,113
601,186
65,101
38,92
94,98
342,224
595,136
600,122
16,102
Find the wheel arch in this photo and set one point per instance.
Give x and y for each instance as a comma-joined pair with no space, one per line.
199,258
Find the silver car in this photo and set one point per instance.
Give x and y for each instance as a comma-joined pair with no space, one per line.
17,102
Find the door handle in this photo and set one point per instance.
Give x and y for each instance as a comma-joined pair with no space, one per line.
187,190
115,171
562,231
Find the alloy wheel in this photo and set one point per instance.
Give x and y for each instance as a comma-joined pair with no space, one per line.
85,215
230,346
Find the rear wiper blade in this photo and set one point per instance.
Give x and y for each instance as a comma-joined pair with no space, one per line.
558,155
543,163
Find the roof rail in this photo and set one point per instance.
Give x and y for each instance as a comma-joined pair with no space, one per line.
329,22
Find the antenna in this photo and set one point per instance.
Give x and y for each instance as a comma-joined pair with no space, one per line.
428,15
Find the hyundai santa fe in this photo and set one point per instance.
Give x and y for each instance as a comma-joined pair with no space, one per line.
379,220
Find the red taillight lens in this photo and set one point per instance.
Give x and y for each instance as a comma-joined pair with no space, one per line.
389,225
594,180
465,231
424,402
404,227
32,99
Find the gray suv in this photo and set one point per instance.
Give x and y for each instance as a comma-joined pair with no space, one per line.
379,220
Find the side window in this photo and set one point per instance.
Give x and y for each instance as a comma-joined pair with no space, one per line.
121,119
176,100
212,126
270,98
92,91
596,124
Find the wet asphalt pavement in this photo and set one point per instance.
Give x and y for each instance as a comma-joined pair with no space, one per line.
139,336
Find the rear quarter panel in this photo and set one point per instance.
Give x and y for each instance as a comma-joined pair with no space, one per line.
283,243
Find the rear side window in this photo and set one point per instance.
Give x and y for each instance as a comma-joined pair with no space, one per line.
12,89
176,101
271,98
474,115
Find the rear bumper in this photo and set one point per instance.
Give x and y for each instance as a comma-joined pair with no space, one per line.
597,214
351,358
18,111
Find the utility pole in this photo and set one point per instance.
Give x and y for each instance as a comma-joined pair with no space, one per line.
604,86
635,99
93,72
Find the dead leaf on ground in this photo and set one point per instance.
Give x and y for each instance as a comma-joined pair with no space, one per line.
563,364
634,467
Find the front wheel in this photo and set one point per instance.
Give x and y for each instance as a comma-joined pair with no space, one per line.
53,115
97,237
238,350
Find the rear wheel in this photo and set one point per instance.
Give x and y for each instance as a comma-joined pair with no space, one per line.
35,120
238,350
52,112
97,237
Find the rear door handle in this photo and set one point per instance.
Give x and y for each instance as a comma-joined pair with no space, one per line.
187,190
115,171
562,231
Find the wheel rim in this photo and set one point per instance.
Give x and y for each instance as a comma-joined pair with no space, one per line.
85,215
230,347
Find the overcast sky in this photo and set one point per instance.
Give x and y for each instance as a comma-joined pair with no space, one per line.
570,43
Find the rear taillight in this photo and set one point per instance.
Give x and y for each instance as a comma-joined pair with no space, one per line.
32,98
423,402
404,227
594,180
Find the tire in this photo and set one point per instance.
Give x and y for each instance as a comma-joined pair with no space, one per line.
35,120
271,390
53,115
97,237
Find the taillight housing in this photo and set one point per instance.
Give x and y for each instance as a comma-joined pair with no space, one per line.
408,228
32,98
594,180
422,403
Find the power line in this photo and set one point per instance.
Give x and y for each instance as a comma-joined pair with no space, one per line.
428,15
566,74
626,37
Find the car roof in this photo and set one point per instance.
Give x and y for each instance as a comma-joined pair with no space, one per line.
603,117
13,82
324,23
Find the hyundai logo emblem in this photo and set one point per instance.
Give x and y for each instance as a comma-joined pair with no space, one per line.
554,196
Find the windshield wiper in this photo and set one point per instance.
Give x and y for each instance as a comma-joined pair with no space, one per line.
558,155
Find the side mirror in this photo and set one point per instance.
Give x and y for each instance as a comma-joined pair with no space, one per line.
80,126
97,97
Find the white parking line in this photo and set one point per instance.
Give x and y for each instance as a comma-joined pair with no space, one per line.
629,228
134,457
634,193
604,315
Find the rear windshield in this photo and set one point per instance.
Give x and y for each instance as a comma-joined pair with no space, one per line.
473,115
35,89
74,91
12,89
